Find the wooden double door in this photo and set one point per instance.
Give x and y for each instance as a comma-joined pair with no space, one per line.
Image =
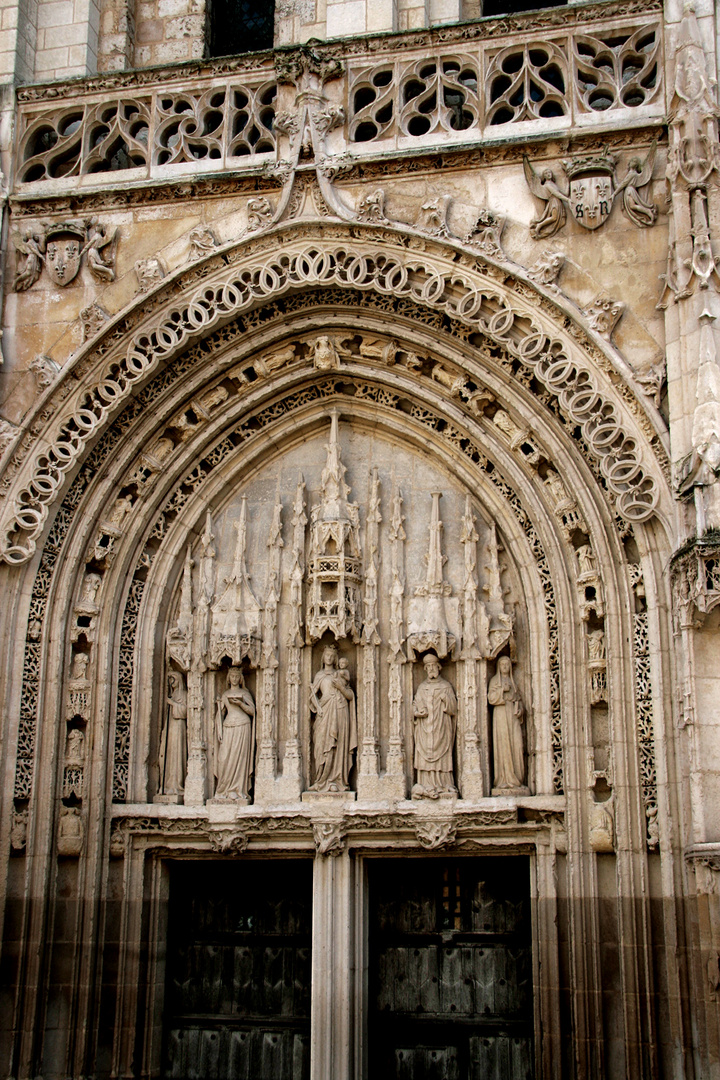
449,969
450,985
237,1001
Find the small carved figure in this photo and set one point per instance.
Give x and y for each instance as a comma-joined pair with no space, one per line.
259,212
88,597
120,510
602,827
596,645
149,272
93,319
8,431
325,354
235,733
78,672
556,487
75,747
270,362
70,831
335,725
173,739
547,269
434,712
44,369
18,830
543,187
371,207
202,242
377,349
101,250
586,562
433,216
507,725
486,232
604,314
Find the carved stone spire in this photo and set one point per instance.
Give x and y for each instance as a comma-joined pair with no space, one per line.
395,766
370,634
299,521
435,584
469,538
397,588
334,567
179,639
236,617
497,624
265,765
428,614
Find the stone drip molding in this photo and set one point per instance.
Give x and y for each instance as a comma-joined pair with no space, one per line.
544,333
341,390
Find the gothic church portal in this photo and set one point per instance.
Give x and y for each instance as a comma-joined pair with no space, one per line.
359,540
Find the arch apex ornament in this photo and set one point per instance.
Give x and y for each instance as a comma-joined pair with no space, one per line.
521,317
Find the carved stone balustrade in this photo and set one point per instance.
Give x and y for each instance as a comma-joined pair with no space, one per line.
538,73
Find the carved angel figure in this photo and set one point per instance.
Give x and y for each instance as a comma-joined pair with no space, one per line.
31,247
639,173
101,249
543,187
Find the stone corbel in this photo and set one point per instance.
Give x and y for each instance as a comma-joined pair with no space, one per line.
228,840
435,835
329,837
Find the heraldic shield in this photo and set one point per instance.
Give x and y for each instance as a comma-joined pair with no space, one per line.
591,199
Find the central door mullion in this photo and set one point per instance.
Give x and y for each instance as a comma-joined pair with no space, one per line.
331,1040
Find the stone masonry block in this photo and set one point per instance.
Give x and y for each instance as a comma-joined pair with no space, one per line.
55,14
184,27
346,18
149,31
169,8
48,60
170,51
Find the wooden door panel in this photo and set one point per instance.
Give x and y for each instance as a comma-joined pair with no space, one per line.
450,983
238,971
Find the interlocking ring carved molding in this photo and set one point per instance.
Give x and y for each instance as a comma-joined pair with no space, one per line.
363,258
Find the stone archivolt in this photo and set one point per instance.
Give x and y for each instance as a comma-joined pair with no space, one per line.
616,442
378,371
